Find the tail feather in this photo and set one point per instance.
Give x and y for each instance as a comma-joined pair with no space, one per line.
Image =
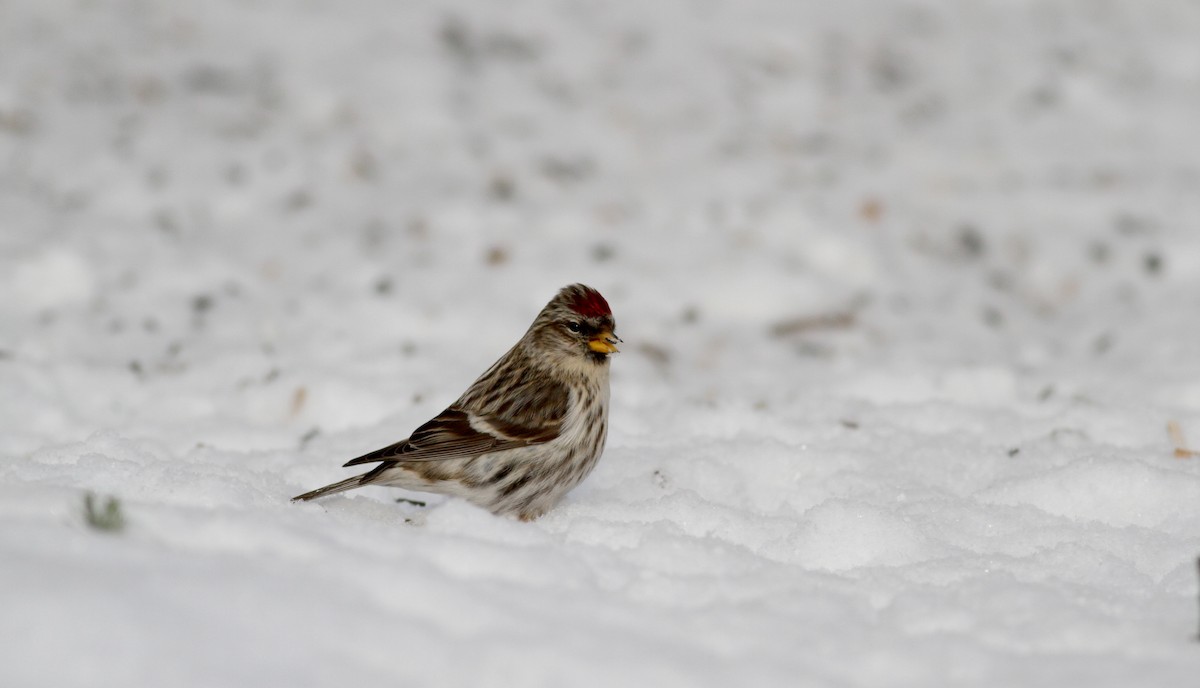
340,486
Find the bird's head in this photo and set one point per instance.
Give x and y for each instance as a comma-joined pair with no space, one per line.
577,324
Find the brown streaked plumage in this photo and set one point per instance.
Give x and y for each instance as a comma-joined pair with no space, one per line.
523,434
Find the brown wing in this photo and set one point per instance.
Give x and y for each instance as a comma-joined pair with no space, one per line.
509,406
451,435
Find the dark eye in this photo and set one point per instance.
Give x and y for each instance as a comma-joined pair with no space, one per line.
573,326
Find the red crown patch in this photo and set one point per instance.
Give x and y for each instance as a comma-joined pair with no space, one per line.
589,303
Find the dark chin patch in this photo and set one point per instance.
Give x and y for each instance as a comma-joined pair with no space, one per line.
596,356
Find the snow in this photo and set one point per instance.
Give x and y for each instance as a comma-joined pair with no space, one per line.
908,291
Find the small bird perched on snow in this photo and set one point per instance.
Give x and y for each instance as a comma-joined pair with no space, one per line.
523,434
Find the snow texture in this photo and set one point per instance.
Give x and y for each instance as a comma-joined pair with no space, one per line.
909,292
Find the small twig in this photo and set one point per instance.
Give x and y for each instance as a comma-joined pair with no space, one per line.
803,324
1176,434
406,500
1198,594
299,397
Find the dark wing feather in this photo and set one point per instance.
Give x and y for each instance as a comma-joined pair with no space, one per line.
508,407
451,436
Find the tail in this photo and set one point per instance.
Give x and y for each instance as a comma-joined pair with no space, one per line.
340,486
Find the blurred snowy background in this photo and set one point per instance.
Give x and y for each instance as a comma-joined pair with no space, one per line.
909,289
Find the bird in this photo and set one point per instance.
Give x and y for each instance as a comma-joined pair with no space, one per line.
525,433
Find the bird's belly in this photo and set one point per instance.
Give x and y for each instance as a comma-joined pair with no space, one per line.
525,482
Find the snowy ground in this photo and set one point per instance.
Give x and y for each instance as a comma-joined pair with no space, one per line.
909,290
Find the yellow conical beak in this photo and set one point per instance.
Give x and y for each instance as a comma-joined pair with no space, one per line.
604,343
